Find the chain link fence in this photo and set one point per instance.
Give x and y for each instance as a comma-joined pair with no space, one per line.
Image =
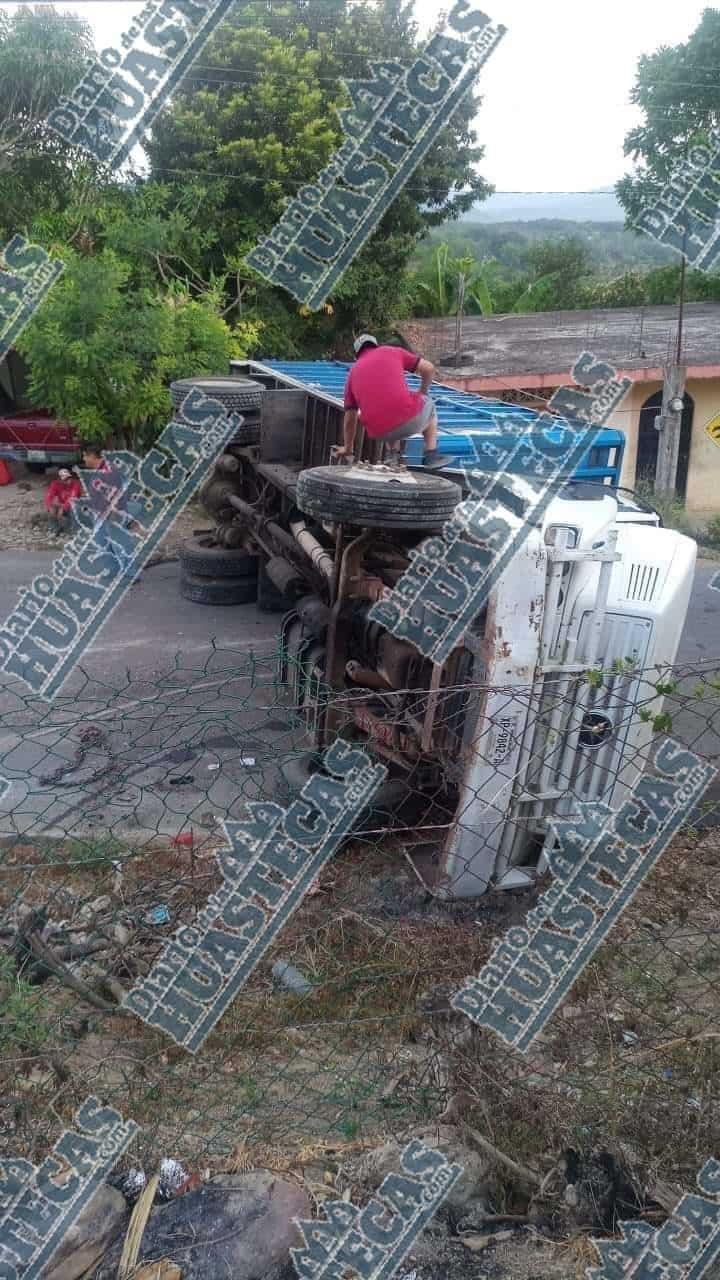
344,1034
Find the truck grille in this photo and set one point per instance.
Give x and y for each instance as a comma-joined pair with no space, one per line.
579,733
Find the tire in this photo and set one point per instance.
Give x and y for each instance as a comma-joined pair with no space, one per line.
247,433
217,562
218,590
348,494
36,468
238,395
385,809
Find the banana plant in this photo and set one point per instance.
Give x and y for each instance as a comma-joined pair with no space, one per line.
455,279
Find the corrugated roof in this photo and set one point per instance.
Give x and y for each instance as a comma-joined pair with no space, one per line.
461,415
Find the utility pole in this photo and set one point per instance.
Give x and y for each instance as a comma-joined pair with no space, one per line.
669,423
459,318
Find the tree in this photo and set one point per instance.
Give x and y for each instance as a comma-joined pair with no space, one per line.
558,269
102,353
677,91
256,119
43,53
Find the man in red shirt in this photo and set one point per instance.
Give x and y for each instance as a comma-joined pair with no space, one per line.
377,391
60,495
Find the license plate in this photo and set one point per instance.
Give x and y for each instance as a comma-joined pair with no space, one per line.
36,455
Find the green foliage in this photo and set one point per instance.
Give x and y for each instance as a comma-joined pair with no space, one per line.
42,55
666,687
661,723
524,268
99,852
102,353
712,533
627,290
258,120
674,515
621,666
24,1009
611,249
451,278
676,89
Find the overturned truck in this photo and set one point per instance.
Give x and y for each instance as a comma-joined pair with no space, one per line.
548,699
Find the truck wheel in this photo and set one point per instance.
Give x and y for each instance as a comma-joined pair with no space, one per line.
238,395
217,562
247,433
376,500
217,590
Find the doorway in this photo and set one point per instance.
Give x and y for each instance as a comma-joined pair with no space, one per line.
649,441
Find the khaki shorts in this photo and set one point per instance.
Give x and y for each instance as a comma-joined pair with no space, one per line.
415,426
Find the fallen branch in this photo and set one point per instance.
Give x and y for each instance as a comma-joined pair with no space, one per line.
679,1043
491,1219
48,958
488,1149
78,950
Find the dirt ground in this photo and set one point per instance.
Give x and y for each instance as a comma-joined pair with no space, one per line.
23,518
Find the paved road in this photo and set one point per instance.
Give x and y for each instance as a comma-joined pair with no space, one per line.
696,715
192,720
188,709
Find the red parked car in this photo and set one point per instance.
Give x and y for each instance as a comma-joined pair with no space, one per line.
35,437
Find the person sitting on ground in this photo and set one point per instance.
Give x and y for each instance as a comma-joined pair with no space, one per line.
376,391
59,497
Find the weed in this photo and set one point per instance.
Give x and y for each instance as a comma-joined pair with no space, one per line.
251,1093
98,852
349,1129
712,533
673,511
24,1009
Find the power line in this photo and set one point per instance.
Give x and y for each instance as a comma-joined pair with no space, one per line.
306,182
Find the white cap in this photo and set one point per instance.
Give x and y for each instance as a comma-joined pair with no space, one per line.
363,340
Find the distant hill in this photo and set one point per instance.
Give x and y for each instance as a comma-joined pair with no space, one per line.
597,206
611,249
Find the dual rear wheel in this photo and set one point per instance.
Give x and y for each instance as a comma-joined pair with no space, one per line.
210,574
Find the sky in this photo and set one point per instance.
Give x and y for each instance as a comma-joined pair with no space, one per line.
556,91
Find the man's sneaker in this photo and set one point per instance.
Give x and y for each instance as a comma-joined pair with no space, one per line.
433,460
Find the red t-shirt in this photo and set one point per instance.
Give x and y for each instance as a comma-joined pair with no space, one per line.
64,492
376,386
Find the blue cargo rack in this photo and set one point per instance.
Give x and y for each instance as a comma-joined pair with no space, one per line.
461,416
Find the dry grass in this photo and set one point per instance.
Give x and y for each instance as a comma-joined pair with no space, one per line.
283,1077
